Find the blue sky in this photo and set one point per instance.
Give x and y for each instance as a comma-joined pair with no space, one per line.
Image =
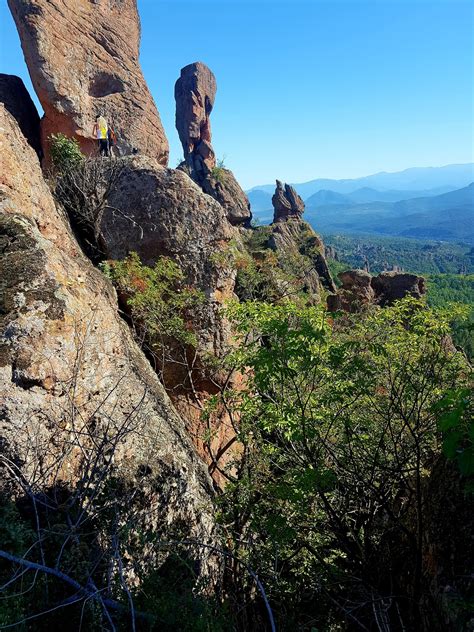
310,89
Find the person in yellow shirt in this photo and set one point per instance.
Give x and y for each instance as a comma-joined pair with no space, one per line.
100,132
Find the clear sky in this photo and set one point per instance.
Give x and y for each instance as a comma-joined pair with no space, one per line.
310,89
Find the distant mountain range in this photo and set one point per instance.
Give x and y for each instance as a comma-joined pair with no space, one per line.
446,217
449,177
428,203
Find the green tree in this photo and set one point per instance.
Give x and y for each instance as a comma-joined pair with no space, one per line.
339,427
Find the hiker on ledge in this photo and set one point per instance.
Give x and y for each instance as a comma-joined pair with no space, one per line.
101,133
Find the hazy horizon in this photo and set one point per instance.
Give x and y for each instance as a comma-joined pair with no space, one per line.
307,90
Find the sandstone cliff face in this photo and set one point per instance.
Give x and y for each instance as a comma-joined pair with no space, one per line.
68,364
360,289
195,92
83,60
18,102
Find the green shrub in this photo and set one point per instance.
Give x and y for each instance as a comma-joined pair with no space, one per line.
158,300
65,153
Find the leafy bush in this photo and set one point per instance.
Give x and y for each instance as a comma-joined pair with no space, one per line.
65,153
218,172
159,303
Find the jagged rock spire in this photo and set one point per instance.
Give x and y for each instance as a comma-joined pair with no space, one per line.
286,202
195,92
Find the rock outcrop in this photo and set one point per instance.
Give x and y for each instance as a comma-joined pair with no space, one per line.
286,203
163,212
295,241
82,56
195,92
360,289
392,286
69,366
17,101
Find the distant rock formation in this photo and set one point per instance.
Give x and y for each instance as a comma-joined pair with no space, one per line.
17,101
360,289
293,238
286,203
83,60
392,286
59,322
195,92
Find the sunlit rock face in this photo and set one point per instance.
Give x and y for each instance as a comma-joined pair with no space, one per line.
69,368
286,203
82,57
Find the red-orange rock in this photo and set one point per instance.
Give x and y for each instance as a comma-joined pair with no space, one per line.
195,91
83,60
286,203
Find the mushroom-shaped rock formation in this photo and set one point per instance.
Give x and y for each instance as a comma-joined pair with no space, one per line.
17,101
195,92
286,203
83,60
360,289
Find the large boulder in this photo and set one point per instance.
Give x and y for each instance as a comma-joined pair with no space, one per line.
83,60
69,368
195,92
164,213
17,101
155,211
360,289
392,286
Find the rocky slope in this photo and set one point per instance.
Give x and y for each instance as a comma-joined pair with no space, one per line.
164,213
69,367
77,78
